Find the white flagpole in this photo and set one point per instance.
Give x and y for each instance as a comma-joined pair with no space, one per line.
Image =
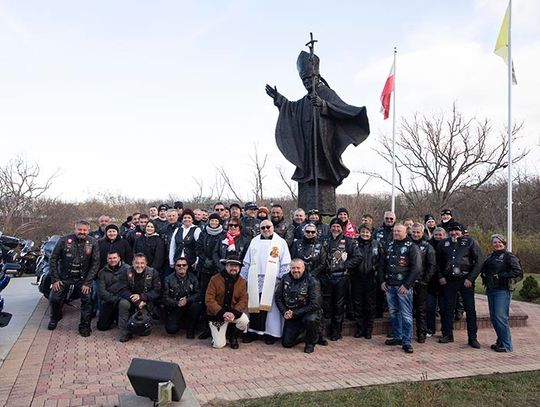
510,179
394,138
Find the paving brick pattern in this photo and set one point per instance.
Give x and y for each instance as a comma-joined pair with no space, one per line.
60,368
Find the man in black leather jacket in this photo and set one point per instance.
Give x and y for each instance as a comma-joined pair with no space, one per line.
183,299
459,261
74,262
399,269
109,285
428,272
311,250
364,280
342,256
298,299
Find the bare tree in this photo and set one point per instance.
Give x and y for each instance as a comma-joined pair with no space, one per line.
259,165
438,156
228,182
20,189
288,184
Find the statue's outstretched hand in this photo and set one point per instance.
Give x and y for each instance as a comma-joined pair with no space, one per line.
271,91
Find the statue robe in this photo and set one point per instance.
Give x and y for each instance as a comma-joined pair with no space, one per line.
338,125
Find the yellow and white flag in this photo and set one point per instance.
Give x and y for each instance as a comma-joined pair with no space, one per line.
503,43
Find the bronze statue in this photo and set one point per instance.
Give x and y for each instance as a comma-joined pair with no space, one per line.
313,132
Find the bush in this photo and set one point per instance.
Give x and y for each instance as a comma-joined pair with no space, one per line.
530,290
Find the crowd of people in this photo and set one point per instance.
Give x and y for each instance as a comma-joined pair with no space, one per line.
248,273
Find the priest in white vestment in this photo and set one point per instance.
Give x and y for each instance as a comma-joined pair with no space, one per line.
267,259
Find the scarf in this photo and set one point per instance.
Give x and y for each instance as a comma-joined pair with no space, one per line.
229,240
214,231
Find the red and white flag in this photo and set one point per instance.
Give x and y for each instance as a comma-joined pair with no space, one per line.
386,94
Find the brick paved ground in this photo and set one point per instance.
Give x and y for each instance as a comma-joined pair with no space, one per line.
61,368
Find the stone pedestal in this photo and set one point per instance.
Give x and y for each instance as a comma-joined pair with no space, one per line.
327,197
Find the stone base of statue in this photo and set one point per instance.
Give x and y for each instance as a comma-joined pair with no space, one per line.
327,197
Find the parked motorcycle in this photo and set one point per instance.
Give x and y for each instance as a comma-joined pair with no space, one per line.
19,256
42,268
5,317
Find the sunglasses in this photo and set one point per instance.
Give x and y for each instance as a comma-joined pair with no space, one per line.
389,218
220,209
265,227
310,232
232,225
179,266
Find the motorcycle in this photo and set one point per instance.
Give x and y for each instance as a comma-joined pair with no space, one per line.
43,279
5,317
18,255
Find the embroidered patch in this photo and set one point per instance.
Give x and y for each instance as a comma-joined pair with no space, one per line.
274,252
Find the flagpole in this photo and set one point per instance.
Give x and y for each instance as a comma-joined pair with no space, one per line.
394,138
510,179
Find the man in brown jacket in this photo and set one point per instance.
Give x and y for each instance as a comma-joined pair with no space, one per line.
226,302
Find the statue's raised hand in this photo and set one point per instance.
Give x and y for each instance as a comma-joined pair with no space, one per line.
271,91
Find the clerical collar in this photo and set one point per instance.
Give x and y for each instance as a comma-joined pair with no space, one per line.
267,238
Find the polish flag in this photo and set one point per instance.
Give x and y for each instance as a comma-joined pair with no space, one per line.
386,93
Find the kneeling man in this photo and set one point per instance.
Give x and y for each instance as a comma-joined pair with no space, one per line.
226,302
298,298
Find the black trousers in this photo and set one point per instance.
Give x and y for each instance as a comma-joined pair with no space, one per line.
420,295
187,316
364,300
334,305
57,299
294,328
108,313
451,290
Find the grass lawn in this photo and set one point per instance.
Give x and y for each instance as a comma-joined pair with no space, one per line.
516,389
479,288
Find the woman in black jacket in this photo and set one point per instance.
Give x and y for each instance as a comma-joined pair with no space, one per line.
500,271
113,242
152,246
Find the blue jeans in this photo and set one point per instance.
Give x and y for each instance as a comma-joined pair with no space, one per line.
499,312
400,307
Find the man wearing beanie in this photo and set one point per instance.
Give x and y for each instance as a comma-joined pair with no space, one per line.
342,257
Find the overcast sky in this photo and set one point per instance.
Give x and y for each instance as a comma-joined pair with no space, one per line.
141,97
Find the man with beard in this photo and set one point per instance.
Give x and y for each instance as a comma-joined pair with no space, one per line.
397,273
183,299
74,262
341,258
267,260
109,285
459,259
281,226
364,282
141,287
427,274
226,301
298,298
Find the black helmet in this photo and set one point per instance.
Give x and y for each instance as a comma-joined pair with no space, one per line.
140,323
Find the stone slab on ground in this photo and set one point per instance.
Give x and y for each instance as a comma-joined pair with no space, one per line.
132,400
62,368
